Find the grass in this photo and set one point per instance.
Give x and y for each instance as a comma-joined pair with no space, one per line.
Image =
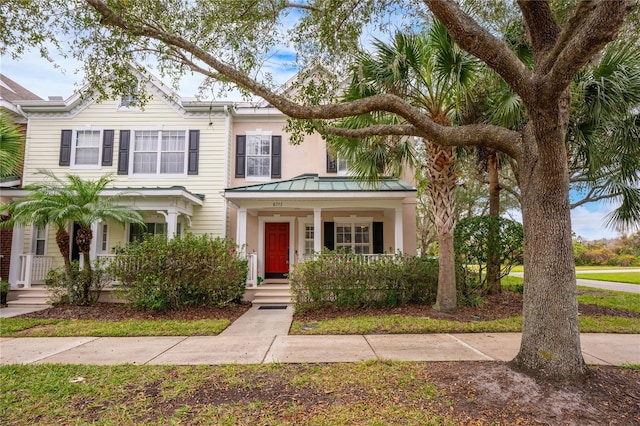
399,324
619,277
610,299
520,268
376,393
28,327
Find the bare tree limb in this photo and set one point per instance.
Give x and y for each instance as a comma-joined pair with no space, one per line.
540,25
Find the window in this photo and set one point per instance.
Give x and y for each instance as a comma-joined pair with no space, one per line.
137,232
354,237
86,148
104,238
159,152
308,240
130,100
343,167
39,241
258,155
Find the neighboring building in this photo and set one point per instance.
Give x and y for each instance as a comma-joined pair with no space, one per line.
208,167
10,93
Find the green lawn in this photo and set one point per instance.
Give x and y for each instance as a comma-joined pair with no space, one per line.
619,277
377,393
520,268
29,327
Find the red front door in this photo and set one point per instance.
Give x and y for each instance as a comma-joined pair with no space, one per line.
276,250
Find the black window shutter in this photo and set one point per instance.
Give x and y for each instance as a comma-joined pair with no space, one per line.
378,238
107,148
123,152
65,147
241,142
276,156
332,163
194,145
329,237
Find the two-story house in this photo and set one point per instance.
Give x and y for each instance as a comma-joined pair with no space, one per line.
221,168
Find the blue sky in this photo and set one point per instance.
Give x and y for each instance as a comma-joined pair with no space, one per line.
43,79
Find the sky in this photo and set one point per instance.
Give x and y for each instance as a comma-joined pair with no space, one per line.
44,79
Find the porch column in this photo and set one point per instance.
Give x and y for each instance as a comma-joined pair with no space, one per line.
93,250
17,248
399,237
171,217
317,229
241,228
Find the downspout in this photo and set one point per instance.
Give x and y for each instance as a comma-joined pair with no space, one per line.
26,139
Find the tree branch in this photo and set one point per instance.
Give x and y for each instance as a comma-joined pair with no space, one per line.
482,44
540,25
507,141
598,27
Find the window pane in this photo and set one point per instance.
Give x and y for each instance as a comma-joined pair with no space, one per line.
172,162
40,247
146,140
258,166
173,140
144,162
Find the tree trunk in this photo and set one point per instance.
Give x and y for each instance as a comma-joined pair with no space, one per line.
442,180
550,344
83,239
63,241
493,258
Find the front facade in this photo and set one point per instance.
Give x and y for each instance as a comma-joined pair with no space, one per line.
218,168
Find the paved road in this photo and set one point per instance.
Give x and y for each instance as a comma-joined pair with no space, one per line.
605,285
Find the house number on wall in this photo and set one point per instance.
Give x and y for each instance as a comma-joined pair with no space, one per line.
277,204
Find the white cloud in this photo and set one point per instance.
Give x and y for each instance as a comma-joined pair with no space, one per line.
589,223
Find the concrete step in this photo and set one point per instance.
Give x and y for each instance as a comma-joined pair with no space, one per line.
28,296
267,300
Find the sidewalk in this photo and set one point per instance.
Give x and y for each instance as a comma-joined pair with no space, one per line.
260,336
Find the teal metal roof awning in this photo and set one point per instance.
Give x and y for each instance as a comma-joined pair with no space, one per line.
313,183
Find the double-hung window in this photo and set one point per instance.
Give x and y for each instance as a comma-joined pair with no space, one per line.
354,237
159,152
39,241
86,148
137,232
259,156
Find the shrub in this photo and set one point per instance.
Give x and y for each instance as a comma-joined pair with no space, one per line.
161,274
348,280
62,290
473,245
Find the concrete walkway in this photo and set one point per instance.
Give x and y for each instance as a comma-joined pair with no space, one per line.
605,285
261,336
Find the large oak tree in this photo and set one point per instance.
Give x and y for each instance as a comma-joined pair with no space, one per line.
228,40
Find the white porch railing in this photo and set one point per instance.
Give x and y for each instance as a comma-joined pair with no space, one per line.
33,269
252,275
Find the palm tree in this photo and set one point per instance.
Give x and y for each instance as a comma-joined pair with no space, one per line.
435,75
73,199
11,146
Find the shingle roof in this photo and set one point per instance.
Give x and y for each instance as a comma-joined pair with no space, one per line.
12,91
314,183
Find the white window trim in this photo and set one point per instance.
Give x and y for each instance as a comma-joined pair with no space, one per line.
257,132
156,175
135,107
74,137
34,237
